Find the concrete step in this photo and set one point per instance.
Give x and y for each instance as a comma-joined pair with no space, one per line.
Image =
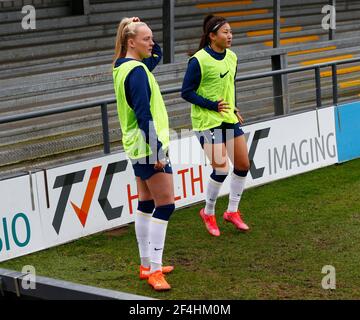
184,30
57,35
57,63
185,48
16,5
48,65
9,28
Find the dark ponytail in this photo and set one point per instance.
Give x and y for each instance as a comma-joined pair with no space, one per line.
211,24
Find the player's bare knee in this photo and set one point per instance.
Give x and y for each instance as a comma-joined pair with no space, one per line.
243,165
164,198
222,165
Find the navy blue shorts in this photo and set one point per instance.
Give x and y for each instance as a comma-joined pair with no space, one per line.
220,134
146,170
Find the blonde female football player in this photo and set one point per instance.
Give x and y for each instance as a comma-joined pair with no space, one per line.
145,137
209,85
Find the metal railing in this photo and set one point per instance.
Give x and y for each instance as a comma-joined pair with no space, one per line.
103,104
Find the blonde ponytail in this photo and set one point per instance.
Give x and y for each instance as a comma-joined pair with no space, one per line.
126,29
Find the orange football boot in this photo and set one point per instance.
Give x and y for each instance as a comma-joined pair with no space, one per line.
236,220
210,223
158,282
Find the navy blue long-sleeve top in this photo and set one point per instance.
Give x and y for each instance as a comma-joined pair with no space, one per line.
138,95
192,81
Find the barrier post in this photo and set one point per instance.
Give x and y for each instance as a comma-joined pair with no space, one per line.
105,127
332,30
81,7
318,88
276,25
168,30
280,85
334,84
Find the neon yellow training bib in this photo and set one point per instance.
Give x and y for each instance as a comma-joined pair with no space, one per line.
217,81
133,141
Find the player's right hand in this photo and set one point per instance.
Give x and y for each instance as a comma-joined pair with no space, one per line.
223,106
160,165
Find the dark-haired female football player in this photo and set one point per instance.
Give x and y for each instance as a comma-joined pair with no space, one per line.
209,85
